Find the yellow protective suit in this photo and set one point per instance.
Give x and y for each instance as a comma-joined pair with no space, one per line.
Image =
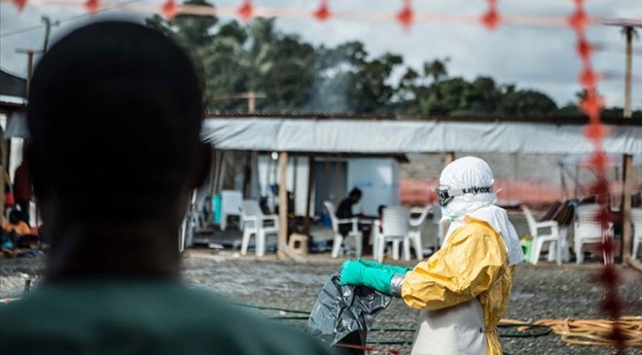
473,264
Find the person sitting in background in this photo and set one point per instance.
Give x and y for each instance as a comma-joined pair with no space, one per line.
18,239
8,243
112,278
344,211
16,224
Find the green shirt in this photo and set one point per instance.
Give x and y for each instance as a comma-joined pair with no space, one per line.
154,318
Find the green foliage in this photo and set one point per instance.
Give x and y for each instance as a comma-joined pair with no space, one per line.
294,75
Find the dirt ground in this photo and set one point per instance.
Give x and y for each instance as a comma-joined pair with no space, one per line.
544,291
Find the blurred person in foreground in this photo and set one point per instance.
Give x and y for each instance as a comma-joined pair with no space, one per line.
463,289
112,97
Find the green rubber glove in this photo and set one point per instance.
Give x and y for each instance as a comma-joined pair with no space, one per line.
357,274
376,265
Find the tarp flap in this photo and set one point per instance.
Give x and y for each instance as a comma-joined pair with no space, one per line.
398,136
17,125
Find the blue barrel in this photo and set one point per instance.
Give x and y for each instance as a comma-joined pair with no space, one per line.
325,220
217,208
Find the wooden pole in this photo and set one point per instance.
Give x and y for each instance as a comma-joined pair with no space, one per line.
213,172
247,174
450,156
294,174
336,182
283,204
284,251
308,201
219,171
627,161
326,179
253,164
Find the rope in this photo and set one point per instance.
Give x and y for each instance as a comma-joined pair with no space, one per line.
595,332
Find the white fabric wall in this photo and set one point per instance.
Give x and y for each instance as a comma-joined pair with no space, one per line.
378,179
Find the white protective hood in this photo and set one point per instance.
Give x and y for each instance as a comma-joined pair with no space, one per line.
470,172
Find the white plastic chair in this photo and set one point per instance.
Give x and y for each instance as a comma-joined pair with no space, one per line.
231,205
415,230
254,223
553,237
636,219
338,237
587,230
396,225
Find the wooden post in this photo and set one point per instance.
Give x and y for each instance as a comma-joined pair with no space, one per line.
295,165
254,164
220,162
577,181
283,204
284,251
627,161
247,175
450,156
326,179
306,223
213,172
336,182
627,177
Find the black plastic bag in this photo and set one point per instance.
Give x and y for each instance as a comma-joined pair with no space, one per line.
344,314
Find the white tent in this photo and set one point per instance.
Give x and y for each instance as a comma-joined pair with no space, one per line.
408,136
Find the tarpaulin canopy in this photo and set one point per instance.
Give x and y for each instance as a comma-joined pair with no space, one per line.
412,136
11,85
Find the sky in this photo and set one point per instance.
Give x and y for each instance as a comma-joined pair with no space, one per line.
541,58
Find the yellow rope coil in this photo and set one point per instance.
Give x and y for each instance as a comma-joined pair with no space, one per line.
594,332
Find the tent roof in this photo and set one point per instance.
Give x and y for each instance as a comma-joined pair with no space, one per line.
11,85
413,136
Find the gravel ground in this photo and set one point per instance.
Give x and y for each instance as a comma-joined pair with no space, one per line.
539,292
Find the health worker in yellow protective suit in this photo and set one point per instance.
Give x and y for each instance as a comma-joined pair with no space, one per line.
463,289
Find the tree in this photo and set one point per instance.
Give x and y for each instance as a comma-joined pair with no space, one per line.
526,102
235,58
